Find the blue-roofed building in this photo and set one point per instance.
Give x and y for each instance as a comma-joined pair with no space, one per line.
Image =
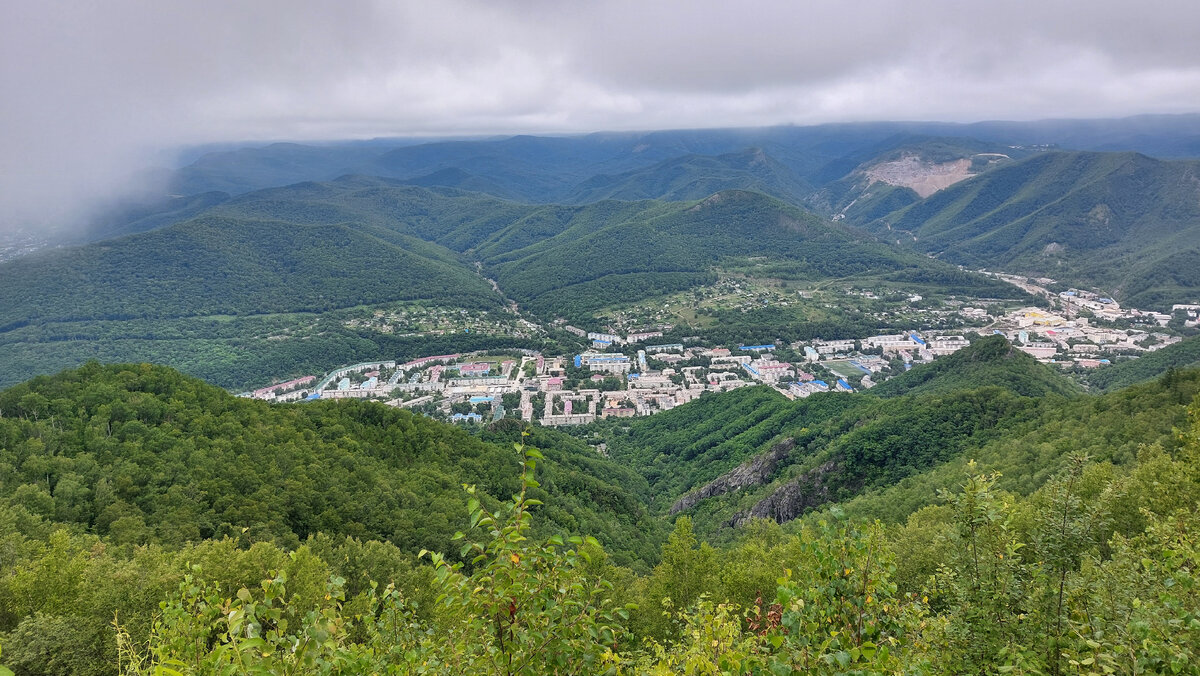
481,400
314,395
916,339
822,383
578,361
756,348
843,385
466,417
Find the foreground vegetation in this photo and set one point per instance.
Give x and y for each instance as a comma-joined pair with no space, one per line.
1095,573
151,524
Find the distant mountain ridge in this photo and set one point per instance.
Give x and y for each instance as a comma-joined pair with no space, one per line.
1124,222
316,248
547,169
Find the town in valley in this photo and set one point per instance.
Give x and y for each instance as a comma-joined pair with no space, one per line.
627,370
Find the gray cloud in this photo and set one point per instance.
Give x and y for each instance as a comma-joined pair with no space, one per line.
90,92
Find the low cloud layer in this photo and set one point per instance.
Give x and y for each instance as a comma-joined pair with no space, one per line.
92,93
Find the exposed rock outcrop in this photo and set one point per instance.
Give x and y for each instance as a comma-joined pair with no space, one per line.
808,491
753,472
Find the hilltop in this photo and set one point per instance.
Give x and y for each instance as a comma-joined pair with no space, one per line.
989,361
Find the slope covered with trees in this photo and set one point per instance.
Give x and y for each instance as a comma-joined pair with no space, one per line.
143,454
991,360
751,453
1081,561
255,282
1119,221
232,266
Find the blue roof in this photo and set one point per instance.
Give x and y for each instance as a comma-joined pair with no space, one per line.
915,338
843,383
756,347
822,383
314,395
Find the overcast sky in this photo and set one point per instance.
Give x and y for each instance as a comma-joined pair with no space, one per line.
90,92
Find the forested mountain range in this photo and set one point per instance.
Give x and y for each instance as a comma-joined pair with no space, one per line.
250,261
547,169
116,482
1089,218
569,225
1123,222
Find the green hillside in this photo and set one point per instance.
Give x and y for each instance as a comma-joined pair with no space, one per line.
222,532
1122,222
861,197
252,286
573,259
215,265
152,456
693,177
726,456
989,361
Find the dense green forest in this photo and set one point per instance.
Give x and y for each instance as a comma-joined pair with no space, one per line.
251,288
751,452
693,177
991,360
1122,222
983,514
149,521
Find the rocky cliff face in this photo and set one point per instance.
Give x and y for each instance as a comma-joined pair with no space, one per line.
754,472
808,491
